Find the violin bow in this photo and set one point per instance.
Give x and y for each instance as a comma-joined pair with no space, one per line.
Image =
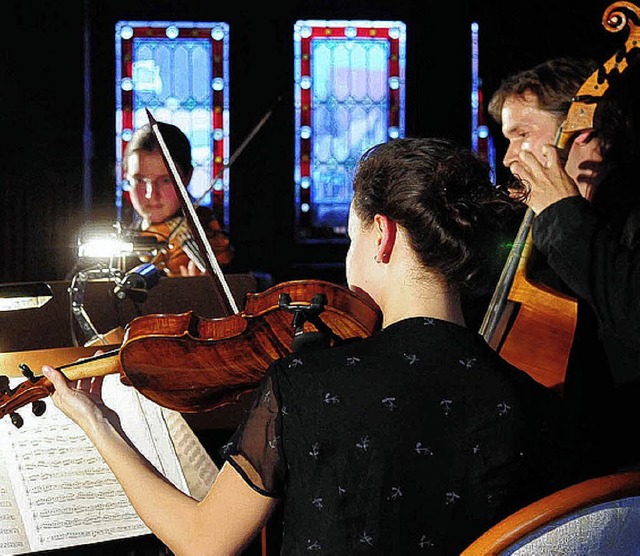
213,267
226,166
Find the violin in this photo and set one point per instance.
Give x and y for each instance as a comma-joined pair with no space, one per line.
179,247
191,364
182,244
531,325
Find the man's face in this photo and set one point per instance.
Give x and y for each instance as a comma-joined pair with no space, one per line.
526,126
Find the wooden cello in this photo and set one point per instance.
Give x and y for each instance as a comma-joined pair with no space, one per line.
531,325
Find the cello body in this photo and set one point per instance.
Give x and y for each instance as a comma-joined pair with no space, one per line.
537,327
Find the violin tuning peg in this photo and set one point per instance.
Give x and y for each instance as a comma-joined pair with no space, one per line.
4,384
38,408
16,420
27,372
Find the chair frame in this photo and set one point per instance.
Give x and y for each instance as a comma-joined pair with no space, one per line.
557,505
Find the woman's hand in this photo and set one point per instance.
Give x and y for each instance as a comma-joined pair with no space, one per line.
544,178
81,400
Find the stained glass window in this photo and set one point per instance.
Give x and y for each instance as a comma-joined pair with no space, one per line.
481,140
180,72
349,83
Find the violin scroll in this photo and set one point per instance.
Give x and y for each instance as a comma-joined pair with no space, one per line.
31,391
615,17
35,388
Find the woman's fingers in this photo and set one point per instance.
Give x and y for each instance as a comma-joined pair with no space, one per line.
55,377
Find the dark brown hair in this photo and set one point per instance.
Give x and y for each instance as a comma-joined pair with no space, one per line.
144,139
443,197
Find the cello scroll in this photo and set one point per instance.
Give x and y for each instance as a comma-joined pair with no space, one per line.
616,18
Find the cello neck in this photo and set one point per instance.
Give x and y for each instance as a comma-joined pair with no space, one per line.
516,261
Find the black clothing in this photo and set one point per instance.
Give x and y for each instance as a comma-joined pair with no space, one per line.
419,437
600,264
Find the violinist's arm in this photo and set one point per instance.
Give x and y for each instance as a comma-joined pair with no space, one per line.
227,519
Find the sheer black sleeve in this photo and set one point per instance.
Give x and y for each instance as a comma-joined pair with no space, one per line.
254,449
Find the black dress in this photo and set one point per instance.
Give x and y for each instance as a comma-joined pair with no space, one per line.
415,440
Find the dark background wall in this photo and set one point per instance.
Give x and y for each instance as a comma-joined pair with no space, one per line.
57,104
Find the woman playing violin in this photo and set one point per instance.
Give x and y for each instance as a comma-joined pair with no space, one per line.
157,205
417,437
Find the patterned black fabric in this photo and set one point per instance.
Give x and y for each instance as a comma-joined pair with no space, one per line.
415,440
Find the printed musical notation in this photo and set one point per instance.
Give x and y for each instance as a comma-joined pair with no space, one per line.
55,489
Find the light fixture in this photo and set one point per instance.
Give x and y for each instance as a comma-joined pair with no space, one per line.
14,297
112,243
104,248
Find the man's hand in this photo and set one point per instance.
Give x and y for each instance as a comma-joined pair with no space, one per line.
544,178
190,270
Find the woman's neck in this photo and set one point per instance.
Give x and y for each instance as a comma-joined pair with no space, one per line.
421,297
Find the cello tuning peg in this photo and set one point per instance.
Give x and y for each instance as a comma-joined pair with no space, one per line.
4,384
16,420
38,408
27,372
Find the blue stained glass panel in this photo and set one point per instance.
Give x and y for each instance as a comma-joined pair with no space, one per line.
179,71
349,95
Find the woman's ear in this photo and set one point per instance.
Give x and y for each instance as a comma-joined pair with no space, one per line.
385,236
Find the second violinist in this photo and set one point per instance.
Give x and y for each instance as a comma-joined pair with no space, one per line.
157,207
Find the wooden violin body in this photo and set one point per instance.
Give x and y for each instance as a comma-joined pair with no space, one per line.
180,248
190,364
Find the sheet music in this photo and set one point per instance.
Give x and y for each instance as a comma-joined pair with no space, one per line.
13,538
199,469
66,494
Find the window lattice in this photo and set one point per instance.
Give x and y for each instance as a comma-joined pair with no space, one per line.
349,79
179,71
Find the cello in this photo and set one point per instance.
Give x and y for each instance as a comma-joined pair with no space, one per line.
531,325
